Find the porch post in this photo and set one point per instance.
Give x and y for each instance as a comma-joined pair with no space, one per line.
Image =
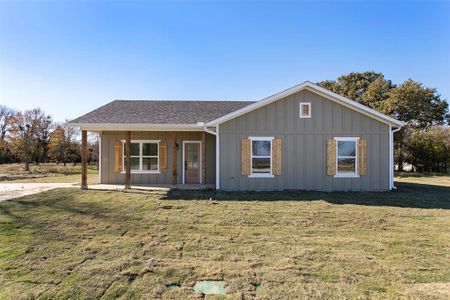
127,161
84,160
203,155
174,159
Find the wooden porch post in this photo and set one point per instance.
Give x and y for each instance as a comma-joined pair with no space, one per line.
84,160
174,159
127,161
203,179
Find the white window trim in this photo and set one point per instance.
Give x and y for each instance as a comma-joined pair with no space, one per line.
347,175
261,175
140,156
301,111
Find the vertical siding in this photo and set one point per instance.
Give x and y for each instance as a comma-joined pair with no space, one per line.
110,137
304,145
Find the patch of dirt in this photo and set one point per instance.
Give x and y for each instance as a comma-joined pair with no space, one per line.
12,177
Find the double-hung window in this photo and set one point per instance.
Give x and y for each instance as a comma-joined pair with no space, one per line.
261,157
144,156
346,157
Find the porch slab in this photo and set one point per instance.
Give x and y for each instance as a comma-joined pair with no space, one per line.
154,187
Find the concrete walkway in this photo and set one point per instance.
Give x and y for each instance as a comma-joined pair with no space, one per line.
16,190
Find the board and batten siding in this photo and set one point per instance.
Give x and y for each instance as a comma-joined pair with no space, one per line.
109,176
304,142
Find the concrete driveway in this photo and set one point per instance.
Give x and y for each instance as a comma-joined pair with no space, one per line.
16,190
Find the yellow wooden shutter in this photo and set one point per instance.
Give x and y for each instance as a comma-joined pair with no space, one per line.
362,157
331,157
245,154
163,156
276,157
118,156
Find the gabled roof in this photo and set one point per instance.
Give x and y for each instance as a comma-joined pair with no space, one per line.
158,112
195,115
315,89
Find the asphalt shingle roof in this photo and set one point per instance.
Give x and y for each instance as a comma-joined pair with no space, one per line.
160,111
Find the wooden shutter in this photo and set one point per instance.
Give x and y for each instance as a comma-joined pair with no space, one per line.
118,156
362,157
163,156
276,157
245,156
331,157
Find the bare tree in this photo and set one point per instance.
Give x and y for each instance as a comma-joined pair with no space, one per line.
42,136
93,140
6,117
29,132
22,136
6,123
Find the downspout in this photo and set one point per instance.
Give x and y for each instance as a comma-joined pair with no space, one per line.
391,156
100,157
216,134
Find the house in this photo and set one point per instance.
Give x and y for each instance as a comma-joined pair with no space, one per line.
303,138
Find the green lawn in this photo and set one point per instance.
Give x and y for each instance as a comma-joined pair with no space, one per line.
75,244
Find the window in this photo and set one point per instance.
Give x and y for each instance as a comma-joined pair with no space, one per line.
346,157
305,110
144,156
261,157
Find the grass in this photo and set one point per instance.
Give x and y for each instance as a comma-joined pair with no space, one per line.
44,168
46,172
75,244
424,178
92,179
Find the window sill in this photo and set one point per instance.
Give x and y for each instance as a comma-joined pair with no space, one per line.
346,176
261,176
143,172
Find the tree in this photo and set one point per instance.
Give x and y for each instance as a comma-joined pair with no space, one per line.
57,146
366,88
42,136
377,94
93,147
6,124
30,135
63,145
419,106
22,137
429,149
6,117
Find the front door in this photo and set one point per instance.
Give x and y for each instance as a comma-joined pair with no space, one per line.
191,163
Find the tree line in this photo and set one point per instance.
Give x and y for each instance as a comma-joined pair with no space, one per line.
424,142
31,136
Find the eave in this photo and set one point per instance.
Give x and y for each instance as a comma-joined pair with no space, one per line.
136,127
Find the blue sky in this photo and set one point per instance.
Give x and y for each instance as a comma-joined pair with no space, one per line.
71,57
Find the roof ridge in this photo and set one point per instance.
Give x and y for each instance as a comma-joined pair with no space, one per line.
183,100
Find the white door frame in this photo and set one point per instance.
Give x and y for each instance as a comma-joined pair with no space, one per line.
199,163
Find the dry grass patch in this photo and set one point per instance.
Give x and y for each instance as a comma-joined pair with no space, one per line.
46,173
92,244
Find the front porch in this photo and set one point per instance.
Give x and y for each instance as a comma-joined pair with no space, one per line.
153,160
157,187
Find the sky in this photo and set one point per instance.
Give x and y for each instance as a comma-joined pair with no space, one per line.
69,57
